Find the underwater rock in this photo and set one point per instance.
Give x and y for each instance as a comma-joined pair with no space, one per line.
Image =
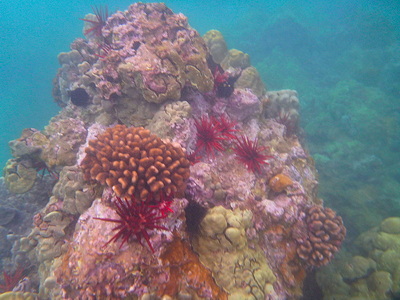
216,45
7,214
236,59
151,50
283,106
373,272
18,178
77,196
223,248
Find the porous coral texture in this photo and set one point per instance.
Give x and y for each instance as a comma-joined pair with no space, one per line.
223,247
76,195
18,178
325,235
283,106
155,50
132,161
216,45
188,273
371,268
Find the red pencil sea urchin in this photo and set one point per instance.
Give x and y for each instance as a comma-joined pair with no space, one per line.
137,217
208,136
98,24
225,126
249,153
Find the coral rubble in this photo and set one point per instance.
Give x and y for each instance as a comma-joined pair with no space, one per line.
143,98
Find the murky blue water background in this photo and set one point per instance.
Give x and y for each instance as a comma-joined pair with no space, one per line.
343,57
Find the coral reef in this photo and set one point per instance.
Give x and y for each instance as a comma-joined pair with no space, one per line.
76,195
249,77
147,50
56,146
216,45
132,161
325,235
138,210
18,178
283,106
370,271
223,248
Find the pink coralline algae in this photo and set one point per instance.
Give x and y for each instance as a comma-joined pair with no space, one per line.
146,49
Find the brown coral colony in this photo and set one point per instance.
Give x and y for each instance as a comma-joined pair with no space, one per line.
134,162
325,235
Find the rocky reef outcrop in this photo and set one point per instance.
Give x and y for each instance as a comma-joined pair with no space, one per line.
178,175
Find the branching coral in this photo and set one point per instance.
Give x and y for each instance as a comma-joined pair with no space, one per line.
132,161
324,237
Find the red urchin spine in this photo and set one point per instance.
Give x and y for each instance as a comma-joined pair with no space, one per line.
137,217
208,136
250,153
225,126
98,24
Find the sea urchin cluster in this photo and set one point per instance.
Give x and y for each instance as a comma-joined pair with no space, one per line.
212,132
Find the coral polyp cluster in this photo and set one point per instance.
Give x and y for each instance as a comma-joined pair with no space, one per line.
324,235
132,161
137,217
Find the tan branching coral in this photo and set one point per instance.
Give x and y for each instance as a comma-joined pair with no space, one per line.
132,161
325,235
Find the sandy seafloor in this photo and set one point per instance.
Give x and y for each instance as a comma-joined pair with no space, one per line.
342,57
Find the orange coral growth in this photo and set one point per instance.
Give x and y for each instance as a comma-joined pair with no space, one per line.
292,271
132,161
280,182
186,270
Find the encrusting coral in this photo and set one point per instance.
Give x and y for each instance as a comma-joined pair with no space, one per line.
18,177
132,161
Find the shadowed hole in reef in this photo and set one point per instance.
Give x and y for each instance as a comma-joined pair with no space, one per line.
311,290
194,213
